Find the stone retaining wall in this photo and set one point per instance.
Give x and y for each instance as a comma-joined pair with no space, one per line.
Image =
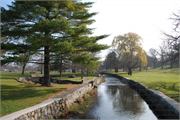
23,78
54,107
161,105
39,79
65,81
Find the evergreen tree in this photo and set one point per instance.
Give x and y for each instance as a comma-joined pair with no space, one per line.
61,62
111,61
86,61
48,26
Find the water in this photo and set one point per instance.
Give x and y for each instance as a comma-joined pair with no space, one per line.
117,101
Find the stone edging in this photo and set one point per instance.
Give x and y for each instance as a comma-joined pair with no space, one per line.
54,107
161,105
23,78
35,78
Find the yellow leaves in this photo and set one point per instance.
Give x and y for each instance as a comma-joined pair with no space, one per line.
127,42
129,46
144,59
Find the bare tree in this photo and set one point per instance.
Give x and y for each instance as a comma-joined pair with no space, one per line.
162,56
153,54
172,40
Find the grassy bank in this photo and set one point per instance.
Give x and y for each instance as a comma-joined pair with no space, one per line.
16,96
164,80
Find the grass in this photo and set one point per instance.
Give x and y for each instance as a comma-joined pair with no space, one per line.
16,96
164,80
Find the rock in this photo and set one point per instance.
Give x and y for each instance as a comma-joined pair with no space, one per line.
71,76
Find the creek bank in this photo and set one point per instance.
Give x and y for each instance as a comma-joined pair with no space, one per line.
161,105
81,105
55,106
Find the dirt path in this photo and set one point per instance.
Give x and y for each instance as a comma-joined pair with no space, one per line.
70,86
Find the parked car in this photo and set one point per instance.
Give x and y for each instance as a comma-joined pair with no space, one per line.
33,72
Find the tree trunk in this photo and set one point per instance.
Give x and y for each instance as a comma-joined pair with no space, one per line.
73,70
154,64
171,64
60,68
46,67
41,69
23,68
81,72
116,70
162,61
60,73
41,63
130,72
87,72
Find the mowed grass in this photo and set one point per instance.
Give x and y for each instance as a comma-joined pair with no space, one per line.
16,96
164,80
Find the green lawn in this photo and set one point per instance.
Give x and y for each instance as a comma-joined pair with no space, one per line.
164,80
16,96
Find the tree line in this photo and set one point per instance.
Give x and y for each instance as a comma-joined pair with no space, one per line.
128,54
55,35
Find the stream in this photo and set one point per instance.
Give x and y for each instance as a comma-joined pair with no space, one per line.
117,101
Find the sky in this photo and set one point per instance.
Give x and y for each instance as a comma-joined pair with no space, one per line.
147,18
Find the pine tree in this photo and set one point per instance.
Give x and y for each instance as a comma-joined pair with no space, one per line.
49,26
85,60
61,62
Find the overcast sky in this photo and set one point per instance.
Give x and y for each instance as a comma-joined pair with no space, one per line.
147,18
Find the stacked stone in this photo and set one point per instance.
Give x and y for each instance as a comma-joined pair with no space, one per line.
53,109
161,105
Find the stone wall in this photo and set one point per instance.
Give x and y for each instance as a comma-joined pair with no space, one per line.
54,107
161,105
23,78
39,79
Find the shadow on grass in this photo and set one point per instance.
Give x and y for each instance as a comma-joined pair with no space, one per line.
167,86
15,93
164,86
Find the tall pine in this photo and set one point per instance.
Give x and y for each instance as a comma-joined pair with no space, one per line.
48,27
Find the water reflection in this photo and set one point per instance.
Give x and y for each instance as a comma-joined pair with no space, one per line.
117,101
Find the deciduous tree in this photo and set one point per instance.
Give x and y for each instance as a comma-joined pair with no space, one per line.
153,53
130,49
172,40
